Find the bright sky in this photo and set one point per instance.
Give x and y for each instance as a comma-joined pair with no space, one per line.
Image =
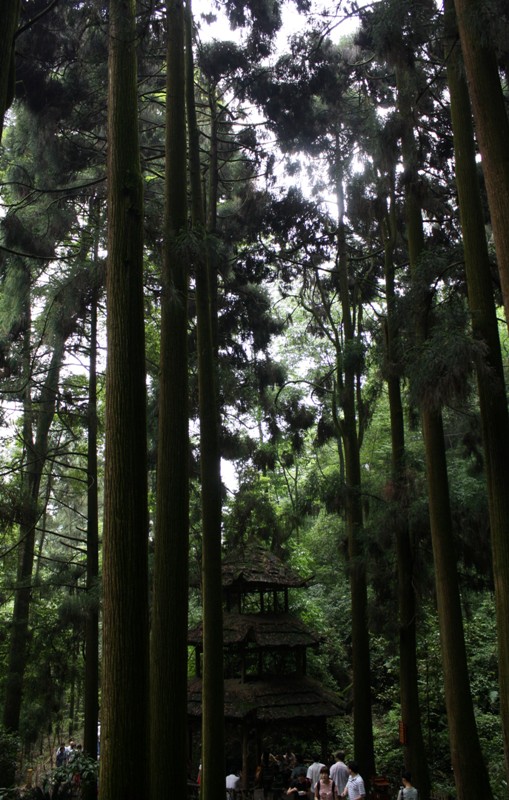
293,22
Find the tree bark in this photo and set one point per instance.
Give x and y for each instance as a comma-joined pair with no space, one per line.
492,124
36,453
470,773
490,373
415,752
91,688
213,756
125,665
346,380
170,591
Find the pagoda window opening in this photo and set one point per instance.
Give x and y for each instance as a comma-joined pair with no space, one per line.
234,663
243,666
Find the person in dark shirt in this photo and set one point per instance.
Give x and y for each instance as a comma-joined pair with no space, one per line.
298,768
61,758
300,787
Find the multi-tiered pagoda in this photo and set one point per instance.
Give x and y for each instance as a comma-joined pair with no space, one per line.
265,658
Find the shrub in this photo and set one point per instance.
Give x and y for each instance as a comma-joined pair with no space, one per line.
9,748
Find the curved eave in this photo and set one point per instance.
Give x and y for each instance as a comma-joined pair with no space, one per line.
274,631
284,698
254,568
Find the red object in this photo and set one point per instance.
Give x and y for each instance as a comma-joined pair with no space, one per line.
402,733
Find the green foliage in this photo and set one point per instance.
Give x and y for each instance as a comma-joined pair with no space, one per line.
480,636
217,59
72,776
252,516
274,250
9,748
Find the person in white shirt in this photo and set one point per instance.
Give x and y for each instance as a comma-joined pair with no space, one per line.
355,785
232,784
339,771
313,772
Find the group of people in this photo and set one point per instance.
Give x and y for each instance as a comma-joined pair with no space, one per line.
316,781
67,753
327,783
321,782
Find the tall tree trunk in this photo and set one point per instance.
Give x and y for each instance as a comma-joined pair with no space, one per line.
19,633
125,666
170,589
213,758
363,724
492,125
10,16
36,453
470,774
415,753
491,383
91,688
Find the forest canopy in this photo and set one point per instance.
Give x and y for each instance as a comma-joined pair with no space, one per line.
254,271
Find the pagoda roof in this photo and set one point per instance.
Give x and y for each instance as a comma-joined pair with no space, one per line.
263,629
253,567
282,698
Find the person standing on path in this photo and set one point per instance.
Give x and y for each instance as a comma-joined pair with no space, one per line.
300,788
339,772
355,785
313,772
325,787
407,791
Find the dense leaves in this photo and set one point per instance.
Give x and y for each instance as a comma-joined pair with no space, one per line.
304,195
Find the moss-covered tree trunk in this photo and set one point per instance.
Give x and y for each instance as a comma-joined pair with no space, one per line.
469,768
170,588
125,665
491,383
475,23
213,758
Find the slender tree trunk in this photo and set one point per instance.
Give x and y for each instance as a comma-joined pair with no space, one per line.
213,758
170,591
491,383
91,688
10,15
125,666
363,724
36,449
470,773
415,753
211,210
492,124
22,599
